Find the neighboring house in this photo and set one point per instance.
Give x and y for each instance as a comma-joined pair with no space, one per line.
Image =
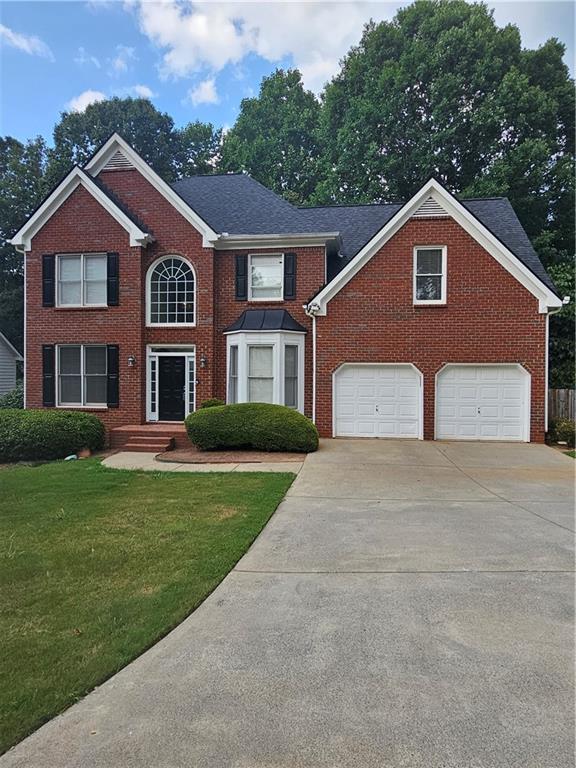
9,357
426,319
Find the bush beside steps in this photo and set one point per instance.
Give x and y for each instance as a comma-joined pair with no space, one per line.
31,435
257,426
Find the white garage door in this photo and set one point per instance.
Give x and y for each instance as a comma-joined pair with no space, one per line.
484,402
377,401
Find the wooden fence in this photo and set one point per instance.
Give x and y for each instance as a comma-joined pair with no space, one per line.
561,404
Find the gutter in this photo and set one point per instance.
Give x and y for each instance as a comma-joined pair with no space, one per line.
226,241
21,249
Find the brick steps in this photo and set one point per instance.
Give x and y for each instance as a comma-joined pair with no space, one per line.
149,437
149,444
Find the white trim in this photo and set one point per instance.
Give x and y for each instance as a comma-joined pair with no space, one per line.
382,365
151,268
443,275
17,356
300,240
528,394
278,340
546,370
115,143
155,351
67,186
546,297
249,276
82,374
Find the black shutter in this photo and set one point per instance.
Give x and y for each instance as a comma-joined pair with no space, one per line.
48,375
289,276
113,395
112,291
241,277
48,279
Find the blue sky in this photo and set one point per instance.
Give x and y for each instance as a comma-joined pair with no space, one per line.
193,60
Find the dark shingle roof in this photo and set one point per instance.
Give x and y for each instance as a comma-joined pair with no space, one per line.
266,320
239,205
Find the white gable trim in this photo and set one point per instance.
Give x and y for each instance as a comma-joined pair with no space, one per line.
117,144
11,348
433,189
75,179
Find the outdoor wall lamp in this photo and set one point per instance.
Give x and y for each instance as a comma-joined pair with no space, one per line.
131,361
203,361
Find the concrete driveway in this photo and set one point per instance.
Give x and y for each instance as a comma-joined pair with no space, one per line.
409,604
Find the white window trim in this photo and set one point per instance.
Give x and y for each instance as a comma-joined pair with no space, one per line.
69,406
155,351
83,304
249,276
276,339
151,268
444,281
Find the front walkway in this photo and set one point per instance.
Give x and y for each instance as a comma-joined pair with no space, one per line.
408,605
149,463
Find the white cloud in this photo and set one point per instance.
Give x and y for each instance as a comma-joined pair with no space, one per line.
82,57
27,43
121,62
204,93
79,103
206,37
143,91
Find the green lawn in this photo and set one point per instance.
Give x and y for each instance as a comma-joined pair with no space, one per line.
571,453
97,564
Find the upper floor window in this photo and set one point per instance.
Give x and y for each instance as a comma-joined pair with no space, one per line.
430,274
266,277
82,280
171,292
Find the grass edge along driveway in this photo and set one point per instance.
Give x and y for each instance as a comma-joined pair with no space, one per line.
98,564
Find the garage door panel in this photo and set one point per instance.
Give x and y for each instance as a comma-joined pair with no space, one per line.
495,407
377,401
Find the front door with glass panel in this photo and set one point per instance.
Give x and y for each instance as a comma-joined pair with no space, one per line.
171,387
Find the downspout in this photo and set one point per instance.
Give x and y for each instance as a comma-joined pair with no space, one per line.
22,250
312,310
565,301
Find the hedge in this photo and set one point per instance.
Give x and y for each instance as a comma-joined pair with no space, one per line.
14,398
30,435
258,426
562,431
212,402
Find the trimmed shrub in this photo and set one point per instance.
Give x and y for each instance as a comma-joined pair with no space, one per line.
14,398
212,402
562,431
258,426
30,435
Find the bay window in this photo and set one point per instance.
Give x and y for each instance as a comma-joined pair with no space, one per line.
82,279
266,367
82,375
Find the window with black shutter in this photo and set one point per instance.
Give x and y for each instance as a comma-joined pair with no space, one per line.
48,280
112,280
113,392
48,375
241,277
289,276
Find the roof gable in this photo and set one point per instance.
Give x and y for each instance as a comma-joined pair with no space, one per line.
10,347
75,179
117,154
434,194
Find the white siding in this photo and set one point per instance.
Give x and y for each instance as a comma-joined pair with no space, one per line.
7,369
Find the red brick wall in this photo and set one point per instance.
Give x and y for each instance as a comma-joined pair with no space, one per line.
489,317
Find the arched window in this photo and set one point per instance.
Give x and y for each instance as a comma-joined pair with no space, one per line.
171,292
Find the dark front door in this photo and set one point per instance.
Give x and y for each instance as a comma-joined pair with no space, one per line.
171,383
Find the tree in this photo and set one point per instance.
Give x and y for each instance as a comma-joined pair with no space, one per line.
21,181
275,137
170,151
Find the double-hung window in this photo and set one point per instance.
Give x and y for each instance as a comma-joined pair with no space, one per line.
430,274
233,375
82,375
82,279
266,277
260,374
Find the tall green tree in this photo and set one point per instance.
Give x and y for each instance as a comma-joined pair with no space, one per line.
170,151
275,137
22,169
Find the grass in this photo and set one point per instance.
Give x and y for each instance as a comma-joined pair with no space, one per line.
97,564
571,453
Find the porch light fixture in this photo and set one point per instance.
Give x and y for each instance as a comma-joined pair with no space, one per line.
203,361
131,361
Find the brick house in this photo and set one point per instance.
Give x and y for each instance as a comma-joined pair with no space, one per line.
427,319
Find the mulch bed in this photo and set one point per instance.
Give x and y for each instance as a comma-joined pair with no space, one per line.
194,456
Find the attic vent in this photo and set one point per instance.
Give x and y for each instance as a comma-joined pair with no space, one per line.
118,162
429,208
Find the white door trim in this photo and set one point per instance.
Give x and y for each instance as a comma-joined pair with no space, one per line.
188,351
382,365
527,394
